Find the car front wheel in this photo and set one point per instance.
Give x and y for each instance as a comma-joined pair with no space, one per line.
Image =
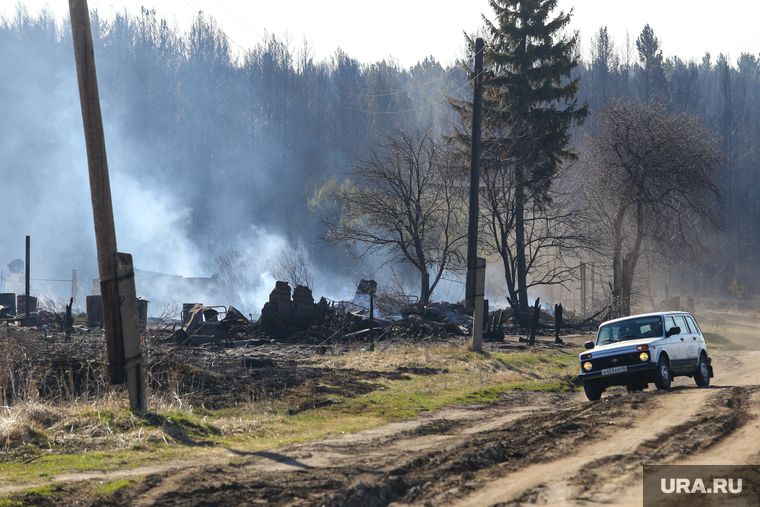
662,375
702,375
593,389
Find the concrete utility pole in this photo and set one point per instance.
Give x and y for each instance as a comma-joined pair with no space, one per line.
116,313
583,289
478,313
27,289
74,283
472,227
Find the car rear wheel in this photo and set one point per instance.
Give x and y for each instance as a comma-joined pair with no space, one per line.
662,376
593,389
702,375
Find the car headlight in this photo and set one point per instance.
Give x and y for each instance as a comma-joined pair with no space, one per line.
644,356
587,366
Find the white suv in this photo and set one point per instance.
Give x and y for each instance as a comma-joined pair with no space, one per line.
653,347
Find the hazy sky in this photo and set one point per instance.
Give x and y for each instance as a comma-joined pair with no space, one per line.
409,30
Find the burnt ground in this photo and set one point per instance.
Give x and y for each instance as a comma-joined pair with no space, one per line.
528,448
248,364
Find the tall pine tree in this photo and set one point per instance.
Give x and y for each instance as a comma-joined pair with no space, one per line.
529,107
651,74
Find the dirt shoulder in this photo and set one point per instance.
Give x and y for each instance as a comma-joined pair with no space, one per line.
526,448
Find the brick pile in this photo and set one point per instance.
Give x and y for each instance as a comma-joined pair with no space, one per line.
283,314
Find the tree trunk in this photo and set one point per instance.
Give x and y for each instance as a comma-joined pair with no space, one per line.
617,275
525,148
522,275
421,261
425,288
625,285
617,292
509,279
629,263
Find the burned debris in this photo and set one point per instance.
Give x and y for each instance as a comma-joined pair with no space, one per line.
201,324
299,314
292,316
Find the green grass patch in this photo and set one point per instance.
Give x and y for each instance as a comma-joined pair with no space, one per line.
112,486
491,394
540,364
42,491
469,378
49,465
41,495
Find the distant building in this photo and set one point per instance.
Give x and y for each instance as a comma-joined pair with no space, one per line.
165,290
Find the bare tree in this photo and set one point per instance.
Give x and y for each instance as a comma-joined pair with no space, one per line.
652,183
553,231
293,264
235,267
403,202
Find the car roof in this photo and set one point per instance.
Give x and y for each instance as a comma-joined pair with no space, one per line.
652,314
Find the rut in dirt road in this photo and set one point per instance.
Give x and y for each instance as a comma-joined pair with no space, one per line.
448,477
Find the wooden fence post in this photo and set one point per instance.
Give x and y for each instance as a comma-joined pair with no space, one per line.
534,323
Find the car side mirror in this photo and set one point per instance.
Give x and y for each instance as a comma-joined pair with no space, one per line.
672,331
589,345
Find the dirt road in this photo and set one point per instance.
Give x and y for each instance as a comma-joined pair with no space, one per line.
529,448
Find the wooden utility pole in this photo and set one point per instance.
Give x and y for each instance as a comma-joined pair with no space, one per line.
102,210
472,226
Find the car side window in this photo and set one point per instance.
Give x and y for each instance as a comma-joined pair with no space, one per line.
681,322
693,323
669,324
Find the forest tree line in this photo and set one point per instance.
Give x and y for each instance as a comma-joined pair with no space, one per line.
268,125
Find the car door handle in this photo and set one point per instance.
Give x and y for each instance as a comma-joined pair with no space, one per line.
682,338
694,338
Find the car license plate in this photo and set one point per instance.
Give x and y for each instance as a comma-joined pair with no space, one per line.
616,369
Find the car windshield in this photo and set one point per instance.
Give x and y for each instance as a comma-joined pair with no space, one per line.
631,329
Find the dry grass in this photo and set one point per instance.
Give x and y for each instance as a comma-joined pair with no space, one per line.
55,397
56,406
59,413
460,360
